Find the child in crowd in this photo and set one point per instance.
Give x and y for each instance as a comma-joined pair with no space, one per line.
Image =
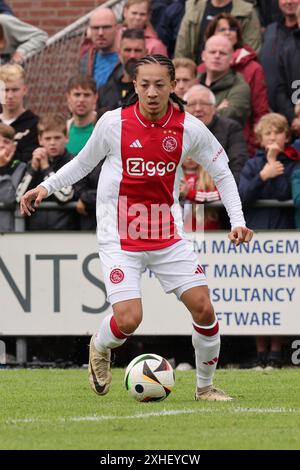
11,173
14,112
268,176
46,160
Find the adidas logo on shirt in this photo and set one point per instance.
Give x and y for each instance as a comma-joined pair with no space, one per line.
136,144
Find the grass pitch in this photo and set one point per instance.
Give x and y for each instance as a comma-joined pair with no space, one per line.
55,409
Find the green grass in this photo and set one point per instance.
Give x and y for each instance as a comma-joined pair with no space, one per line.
40,409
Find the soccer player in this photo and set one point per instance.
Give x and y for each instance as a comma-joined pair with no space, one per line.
139,219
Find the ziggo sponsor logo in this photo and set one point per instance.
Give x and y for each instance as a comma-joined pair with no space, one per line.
138,167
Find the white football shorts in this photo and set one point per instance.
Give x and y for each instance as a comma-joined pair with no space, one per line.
176,267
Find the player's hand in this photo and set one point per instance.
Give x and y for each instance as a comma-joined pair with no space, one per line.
37,195
240,235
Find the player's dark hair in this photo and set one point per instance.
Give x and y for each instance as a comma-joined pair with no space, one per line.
161,60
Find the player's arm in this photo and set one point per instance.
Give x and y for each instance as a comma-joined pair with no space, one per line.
228,191
209,153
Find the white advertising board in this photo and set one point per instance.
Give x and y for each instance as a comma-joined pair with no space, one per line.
51,284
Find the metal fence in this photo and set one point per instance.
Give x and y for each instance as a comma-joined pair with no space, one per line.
48,71
48,206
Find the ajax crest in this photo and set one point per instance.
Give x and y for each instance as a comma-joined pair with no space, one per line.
116,276
169,143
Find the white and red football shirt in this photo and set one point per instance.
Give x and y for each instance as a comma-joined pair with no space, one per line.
138,188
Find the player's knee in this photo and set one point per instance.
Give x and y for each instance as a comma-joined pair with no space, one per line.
129,324
203,313
129,320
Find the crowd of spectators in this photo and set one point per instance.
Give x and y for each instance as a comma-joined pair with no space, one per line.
236,63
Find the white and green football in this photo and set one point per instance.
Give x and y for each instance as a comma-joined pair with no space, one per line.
149,377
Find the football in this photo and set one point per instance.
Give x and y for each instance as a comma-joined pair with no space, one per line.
149,377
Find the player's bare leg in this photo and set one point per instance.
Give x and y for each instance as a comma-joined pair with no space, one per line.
113,332
206,341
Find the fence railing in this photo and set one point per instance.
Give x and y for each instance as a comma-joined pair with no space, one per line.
48,71
48,206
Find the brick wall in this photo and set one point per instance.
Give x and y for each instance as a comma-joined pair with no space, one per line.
52,15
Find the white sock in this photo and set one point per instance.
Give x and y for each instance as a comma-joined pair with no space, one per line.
206,341
109,336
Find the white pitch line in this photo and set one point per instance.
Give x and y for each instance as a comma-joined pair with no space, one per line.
143,415
266,410
96,418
